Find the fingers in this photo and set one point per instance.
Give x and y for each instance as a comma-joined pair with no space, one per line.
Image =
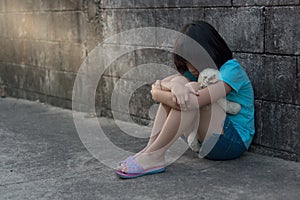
181,101
174,99
193,90
157,84
186,97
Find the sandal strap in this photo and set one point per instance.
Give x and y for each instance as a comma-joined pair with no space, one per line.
132,167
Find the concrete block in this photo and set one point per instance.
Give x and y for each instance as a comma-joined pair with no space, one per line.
2,6
30,5
39,29
127,4
45,5
153,64
23,23
282,30
132,97
264,3
4,72
61,84
71,56
31,26
192,3
298,81
137,19
121,66
141,102
157,56
9,50
258,122
298,63
51,55
253,64
104,91
92,9
35,80
117,21
281,126
26,25
94,35
59,102
3,25
26,78
282,84
242,28
13,24
273,77
38,56
24,52
109,26
165,17
67,26
52,28
274,153
13,5
2,40
71,4
22,94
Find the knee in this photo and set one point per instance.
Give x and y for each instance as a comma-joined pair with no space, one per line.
180,79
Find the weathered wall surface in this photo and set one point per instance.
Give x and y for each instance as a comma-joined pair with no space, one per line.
44,42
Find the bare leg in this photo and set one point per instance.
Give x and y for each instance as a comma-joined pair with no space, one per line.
176,123
160,119
161,116
211,121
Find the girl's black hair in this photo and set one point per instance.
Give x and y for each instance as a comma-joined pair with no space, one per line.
207,36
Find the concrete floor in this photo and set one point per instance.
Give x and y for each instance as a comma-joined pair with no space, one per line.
42,157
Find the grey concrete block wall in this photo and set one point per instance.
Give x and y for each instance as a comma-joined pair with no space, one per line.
263,36
45,43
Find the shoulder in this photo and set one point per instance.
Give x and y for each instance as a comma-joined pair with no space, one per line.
232,64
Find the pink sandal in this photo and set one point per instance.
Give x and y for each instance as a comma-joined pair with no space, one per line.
126,160
135,170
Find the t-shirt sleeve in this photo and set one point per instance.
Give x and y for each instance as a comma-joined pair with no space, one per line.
233,75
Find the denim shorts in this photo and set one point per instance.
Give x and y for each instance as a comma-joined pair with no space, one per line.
226,146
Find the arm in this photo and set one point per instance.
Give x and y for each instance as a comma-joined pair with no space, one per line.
178,90
169,78
167,83
204,96
212,93
165,97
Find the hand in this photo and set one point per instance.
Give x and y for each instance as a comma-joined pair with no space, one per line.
194,87
180,95
155,88
157,85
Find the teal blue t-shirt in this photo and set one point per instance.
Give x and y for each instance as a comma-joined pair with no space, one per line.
187,74
242,92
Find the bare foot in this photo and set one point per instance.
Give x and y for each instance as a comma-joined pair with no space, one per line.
146,161
150,160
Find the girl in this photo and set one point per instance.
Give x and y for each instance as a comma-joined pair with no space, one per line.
223,136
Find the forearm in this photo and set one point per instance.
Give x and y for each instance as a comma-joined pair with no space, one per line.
205,96
169,78
172,81
212,93
164,97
